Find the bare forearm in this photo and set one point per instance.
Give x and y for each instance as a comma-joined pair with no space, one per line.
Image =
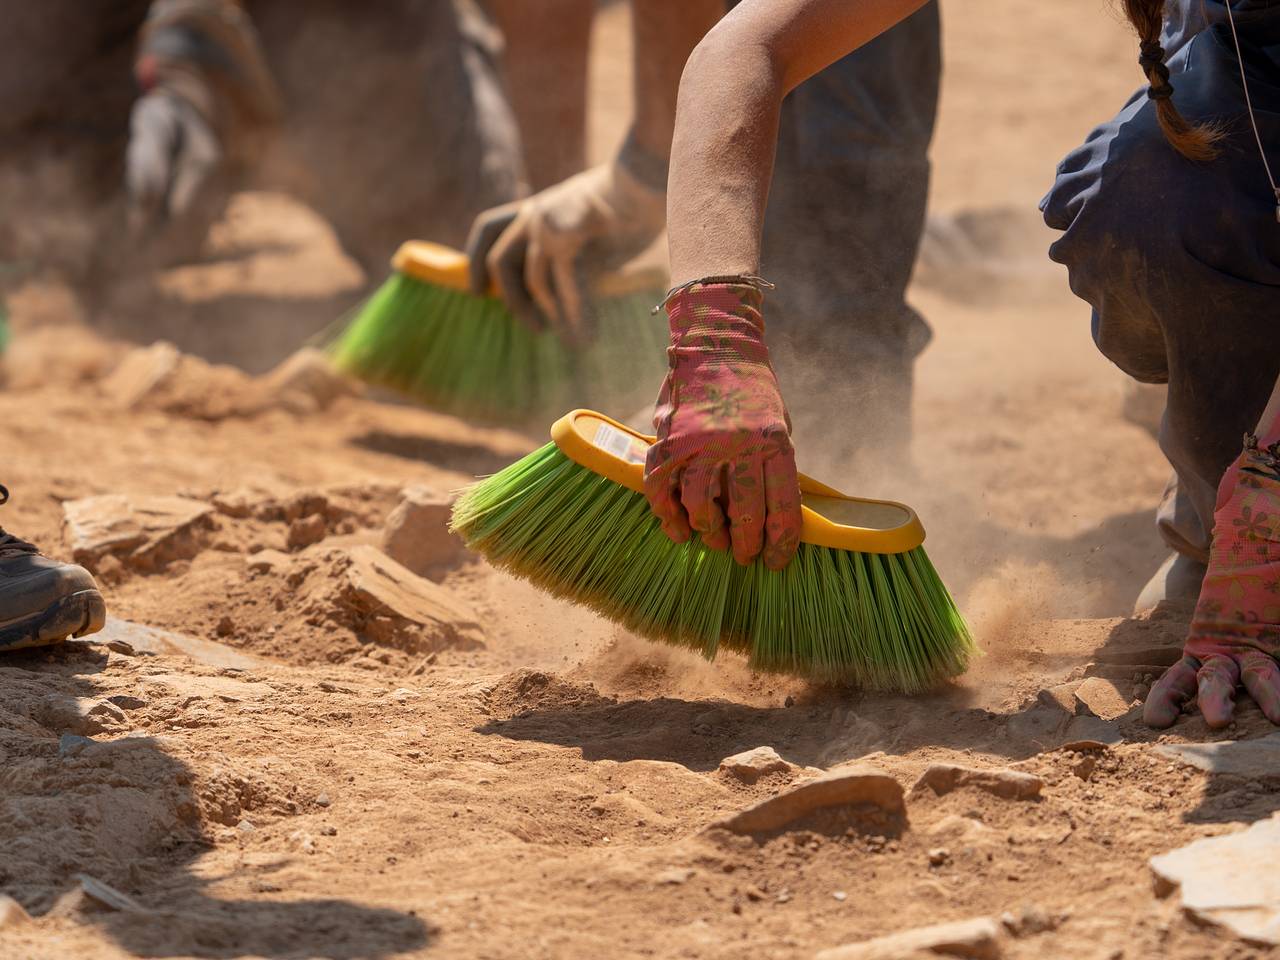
727,120
545,60
664,33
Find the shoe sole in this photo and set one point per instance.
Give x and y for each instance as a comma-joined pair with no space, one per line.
75,615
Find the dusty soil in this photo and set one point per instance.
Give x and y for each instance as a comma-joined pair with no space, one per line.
307,785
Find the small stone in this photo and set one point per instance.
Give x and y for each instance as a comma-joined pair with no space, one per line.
1228,881
751,765
126,702
226,626
416,533
246,826
1092,728
674,877
107,895
840,896
12,914
71,745
977,939
789,702
322,800
304,841
328,831
306,382
268,561
840,787
938,856
1028,921
1102,699
1085,766
784,896
942,778
305,531
77,715
1061,697
122,647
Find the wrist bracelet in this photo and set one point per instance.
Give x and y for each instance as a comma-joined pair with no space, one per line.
742,279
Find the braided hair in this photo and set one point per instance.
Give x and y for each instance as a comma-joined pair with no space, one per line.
1193,141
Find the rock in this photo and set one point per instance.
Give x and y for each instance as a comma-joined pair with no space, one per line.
838,788
1228,881
12,914
1242,758
942,778
72,745
126,702
383,590
1084,767
751,765
107,895
152,640
1092,730
269,561
305,382
977,939
416,533
143,532
675,877
1028,921
1061,697
1102,699
1041,724
305,531
322,800
77,715
140,373
938,856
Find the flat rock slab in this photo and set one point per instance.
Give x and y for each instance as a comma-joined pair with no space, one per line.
416,533
837,788
977,939
382,587
1229,881
750,765
155,641
142,531
1242,758
1101,698
942,778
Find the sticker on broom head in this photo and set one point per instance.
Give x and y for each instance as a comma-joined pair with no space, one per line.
622,445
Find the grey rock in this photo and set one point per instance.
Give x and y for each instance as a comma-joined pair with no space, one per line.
977,939
750,765
72,745
153,640
942,778
1241,758
841,787
1228,881
107,895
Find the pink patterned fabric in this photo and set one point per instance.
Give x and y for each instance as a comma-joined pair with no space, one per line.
724,439
1235,631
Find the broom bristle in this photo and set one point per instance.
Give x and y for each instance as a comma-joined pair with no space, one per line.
880,621
467,355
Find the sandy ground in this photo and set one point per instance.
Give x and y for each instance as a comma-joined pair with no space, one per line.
544,786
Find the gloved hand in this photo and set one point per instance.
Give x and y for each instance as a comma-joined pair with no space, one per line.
1235,631
723,464
543,252
173,159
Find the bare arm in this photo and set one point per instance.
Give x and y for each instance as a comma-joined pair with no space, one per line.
545,60
726,126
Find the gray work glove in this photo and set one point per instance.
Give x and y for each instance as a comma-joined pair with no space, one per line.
173,165
542,253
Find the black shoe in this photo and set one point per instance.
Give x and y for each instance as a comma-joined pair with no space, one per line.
43,601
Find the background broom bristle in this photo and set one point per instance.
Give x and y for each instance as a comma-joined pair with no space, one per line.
880,621
467,355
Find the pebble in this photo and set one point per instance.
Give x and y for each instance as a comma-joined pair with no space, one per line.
322,800
71,745
939,856
977,939
840,895
942,778
750,765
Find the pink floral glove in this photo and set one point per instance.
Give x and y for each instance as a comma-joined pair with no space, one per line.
1235,631
723,464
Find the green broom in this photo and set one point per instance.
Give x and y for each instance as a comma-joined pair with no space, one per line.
859,604
424,334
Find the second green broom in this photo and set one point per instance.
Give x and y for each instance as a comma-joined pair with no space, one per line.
424,334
